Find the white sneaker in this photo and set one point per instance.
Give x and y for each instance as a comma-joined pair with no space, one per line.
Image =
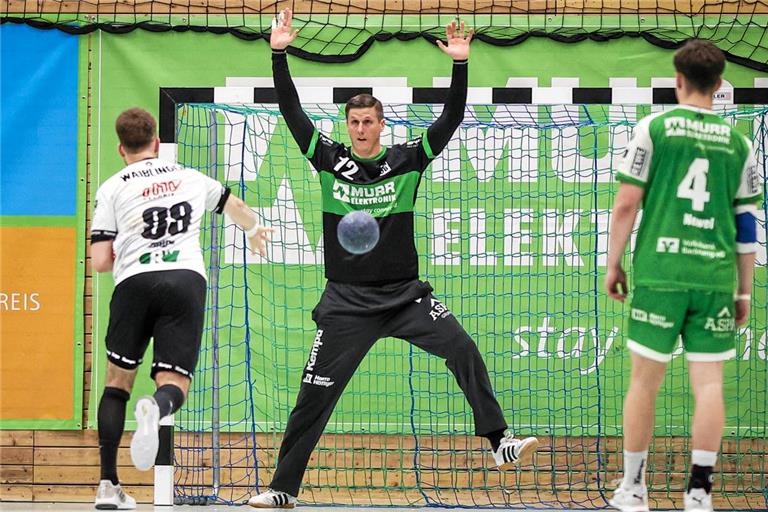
112,497
698,500
145,440
273,499
512,450
634,499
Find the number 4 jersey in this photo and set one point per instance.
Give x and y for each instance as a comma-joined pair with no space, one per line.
152,210
695,169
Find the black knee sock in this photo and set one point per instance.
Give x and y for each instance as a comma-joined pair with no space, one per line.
495,438
111,418
701,478
169,399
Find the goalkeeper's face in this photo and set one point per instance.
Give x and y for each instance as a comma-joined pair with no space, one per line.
364,127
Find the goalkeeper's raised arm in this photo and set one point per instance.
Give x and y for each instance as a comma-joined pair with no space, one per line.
282,36
457,47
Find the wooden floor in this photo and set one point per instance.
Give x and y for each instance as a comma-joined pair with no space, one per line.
63,467
76,507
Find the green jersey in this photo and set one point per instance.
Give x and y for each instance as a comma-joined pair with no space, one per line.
696,170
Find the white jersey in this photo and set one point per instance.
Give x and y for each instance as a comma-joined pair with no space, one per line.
152,210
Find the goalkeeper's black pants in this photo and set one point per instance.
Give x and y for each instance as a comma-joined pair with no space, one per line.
350,318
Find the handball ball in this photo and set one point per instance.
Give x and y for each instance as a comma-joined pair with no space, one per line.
358,232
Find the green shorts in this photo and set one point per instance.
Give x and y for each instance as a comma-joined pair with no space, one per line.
705,320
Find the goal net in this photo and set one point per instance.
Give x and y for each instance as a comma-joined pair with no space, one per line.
511,227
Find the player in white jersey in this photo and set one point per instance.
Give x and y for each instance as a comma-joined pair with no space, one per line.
146,230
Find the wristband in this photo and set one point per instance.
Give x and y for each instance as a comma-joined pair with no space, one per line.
743,296
252,232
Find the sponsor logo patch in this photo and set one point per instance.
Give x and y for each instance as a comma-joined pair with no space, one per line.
638,162
723,323
357,195
670,245
654,319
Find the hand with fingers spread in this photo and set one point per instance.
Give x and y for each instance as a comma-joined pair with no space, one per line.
258,236
458,42
282,35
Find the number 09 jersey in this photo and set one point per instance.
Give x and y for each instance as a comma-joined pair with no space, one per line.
697,171
152,211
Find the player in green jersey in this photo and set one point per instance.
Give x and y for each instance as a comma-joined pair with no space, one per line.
697,180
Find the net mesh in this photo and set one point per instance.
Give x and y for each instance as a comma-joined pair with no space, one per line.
511,228
341,31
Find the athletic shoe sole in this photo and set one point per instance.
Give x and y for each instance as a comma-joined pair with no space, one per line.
113,506
636,508
259,505
145,440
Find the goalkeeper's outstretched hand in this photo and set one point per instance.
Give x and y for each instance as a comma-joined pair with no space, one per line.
282,35
458,42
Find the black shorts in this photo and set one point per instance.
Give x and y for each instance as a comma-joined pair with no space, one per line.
167,305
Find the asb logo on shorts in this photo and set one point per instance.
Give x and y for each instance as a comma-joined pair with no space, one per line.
723,323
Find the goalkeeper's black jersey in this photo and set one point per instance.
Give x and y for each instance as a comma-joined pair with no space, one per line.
385,186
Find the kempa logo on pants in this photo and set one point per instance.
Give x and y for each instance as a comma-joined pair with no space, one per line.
309,378
353,194
315,349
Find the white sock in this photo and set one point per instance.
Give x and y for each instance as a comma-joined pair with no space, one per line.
703,458
634,469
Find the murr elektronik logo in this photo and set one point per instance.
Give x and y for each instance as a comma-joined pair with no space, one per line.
351,194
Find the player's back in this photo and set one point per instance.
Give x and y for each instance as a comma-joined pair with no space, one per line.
156,207
694,167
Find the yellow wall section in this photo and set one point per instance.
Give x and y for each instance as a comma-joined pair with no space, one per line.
37,291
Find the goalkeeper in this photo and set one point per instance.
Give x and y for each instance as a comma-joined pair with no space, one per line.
377,294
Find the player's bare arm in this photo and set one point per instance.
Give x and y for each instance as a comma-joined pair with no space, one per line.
625,208
102,256
746,269
258,236
746,247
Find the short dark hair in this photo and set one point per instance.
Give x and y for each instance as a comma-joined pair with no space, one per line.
364,100
136,129
701,63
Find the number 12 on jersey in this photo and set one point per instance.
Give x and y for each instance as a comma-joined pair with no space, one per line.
694,184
